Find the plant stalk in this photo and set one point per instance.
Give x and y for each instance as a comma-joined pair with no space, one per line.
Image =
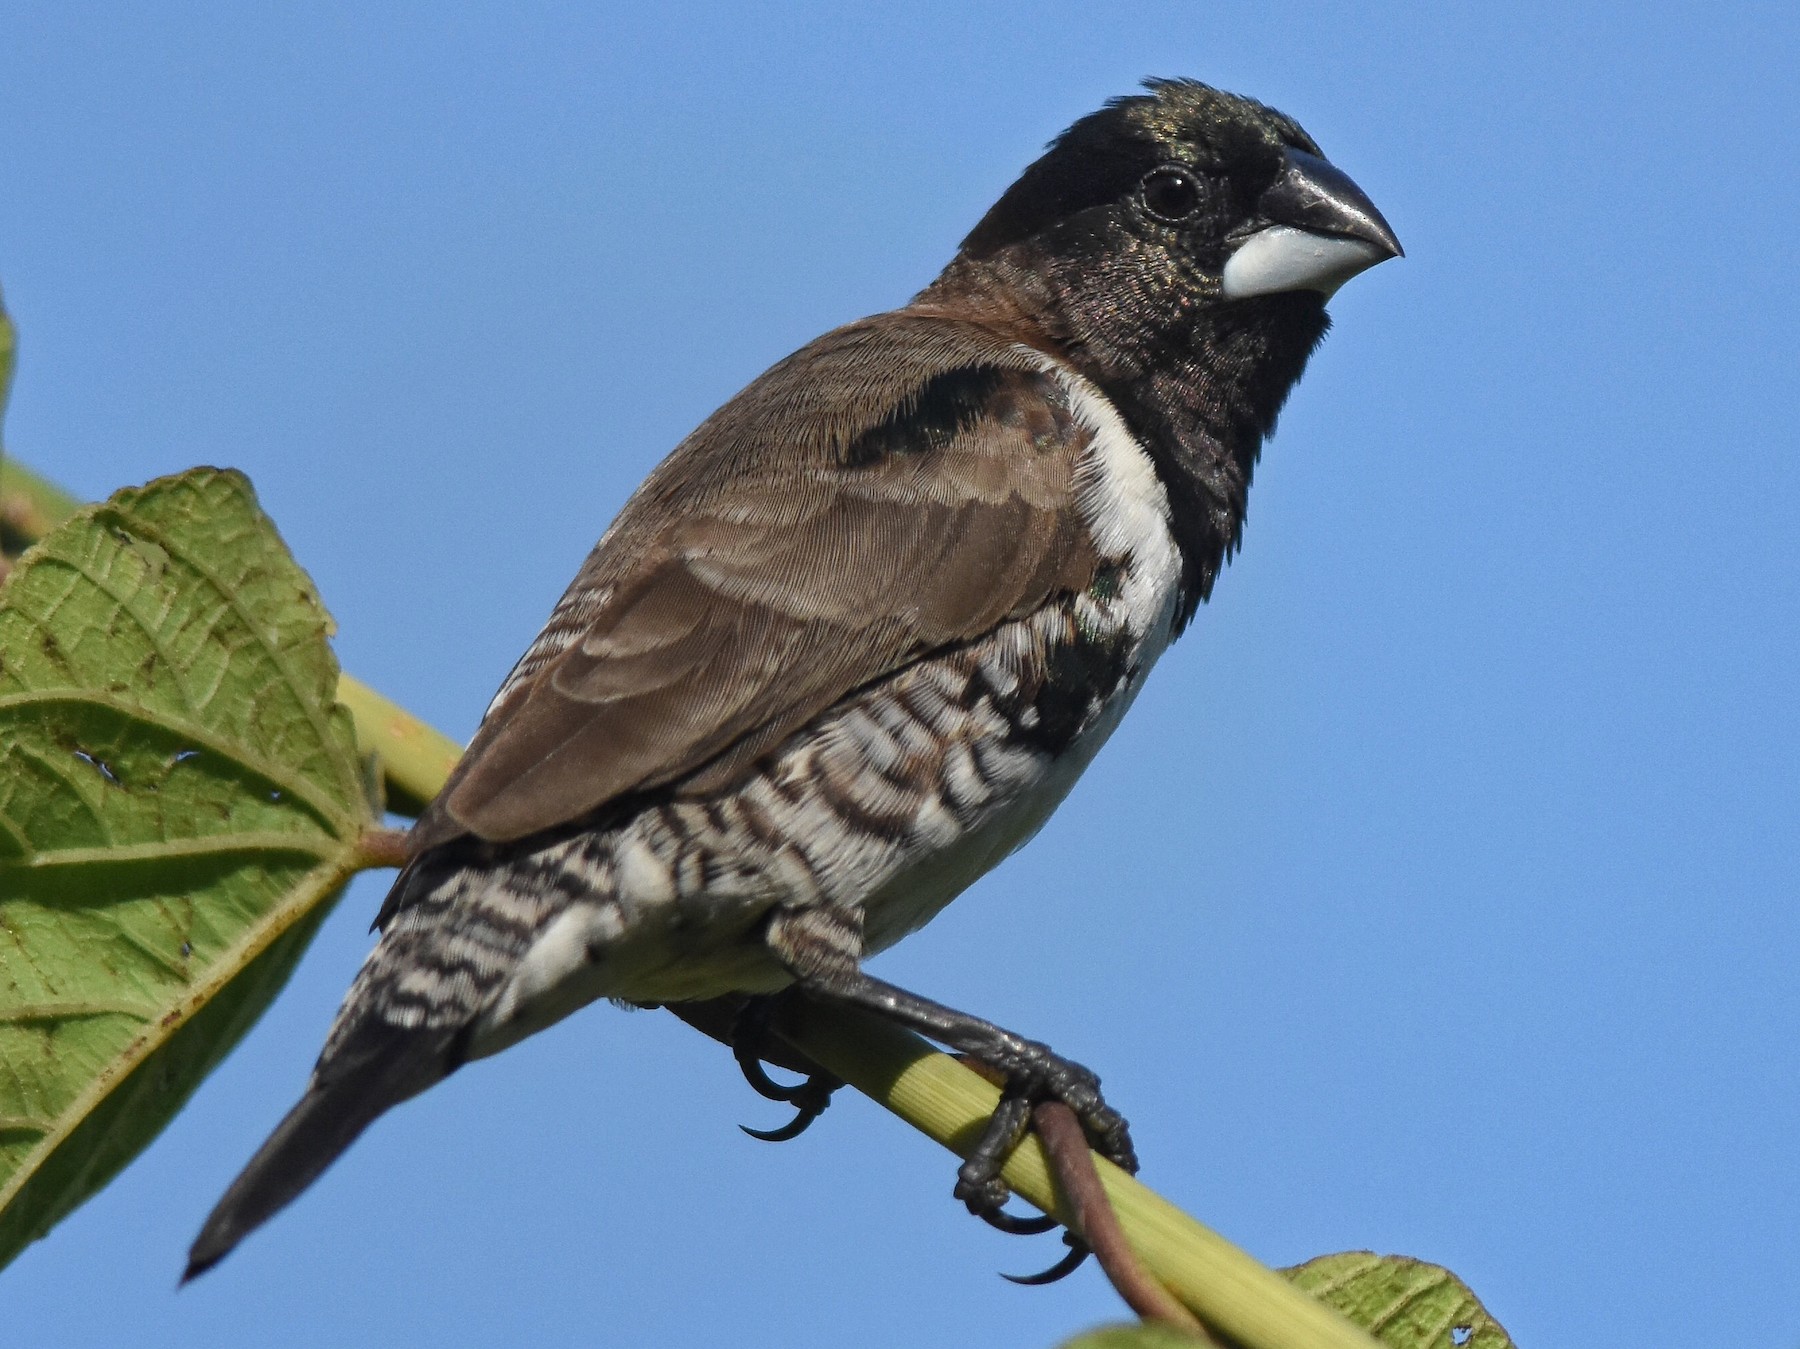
1226,1288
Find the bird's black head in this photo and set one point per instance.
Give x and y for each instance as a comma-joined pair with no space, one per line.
1176,170
1166,189
1178,247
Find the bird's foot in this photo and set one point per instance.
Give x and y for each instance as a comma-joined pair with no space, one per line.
1028,1073
809,1096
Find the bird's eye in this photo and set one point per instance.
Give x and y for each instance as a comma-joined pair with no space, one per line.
1171,195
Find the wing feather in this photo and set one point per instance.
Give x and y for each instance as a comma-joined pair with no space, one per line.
901,486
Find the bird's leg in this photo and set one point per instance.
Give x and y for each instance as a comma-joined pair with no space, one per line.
1032,1073
822,948
809,1097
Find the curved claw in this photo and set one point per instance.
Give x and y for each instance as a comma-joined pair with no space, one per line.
1030,1225
1078,1252
751,1065
798,1125
809,1097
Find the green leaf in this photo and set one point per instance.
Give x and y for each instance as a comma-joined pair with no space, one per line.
1403,1302
180,801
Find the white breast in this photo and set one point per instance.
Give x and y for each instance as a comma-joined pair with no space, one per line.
1126,508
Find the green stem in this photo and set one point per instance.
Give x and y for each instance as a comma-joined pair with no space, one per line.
415,757
1229,1291
30,506
9,350
1226,1288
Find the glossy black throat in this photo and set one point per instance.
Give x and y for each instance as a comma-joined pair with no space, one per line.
1202,400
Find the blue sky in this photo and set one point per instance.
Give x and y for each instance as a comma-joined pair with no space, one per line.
1438,895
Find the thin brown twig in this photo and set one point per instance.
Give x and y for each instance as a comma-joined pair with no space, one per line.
382,848
1096,1224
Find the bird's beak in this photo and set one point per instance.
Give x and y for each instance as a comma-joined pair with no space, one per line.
1321,230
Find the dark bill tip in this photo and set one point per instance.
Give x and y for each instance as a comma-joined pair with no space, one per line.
1313,194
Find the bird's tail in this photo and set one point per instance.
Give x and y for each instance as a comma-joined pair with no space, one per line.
389,1064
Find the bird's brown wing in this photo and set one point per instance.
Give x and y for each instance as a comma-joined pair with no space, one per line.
898,487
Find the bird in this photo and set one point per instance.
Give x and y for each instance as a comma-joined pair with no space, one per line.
851,643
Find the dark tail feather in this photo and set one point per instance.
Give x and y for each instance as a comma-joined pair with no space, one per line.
339,1104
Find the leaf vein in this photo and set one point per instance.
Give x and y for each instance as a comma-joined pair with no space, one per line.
206,845
1405,1299
308,698
123,600
69,780
328,811
29,1012
319,885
